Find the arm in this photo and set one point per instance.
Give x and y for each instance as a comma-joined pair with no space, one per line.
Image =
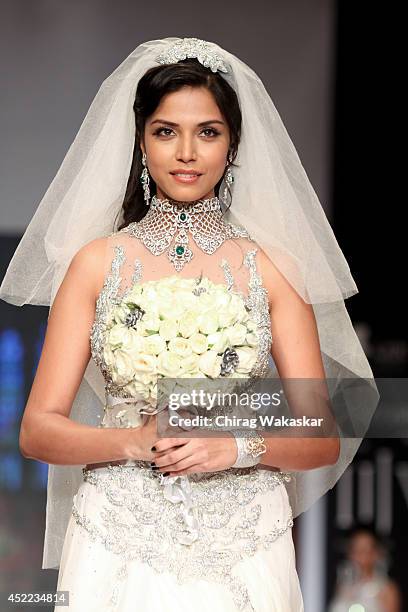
296,353
47,433
390,597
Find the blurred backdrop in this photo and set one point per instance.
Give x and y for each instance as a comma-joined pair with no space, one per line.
314,58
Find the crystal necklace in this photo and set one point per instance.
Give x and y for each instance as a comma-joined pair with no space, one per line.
167,225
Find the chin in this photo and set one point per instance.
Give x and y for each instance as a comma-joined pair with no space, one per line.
187,194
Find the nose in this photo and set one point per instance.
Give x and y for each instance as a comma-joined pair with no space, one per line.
186,149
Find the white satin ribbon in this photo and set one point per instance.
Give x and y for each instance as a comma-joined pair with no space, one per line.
177,489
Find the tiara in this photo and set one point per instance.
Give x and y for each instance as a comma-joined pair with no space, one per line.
193,47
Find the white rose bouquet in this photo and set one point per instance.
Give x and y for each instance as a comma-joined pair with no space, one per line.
178,328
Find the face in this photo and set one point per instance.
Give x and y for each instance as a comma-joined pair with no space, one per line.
363,551
186,132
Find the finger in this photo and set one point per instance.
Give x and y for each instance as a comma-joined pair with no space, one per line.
164,444
175,458
159,454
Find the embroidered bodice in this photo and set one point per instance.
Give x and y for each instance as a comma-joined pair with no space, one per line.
130,265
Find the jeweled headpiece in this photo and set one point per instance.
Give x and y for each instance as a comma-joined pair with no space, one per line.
193,47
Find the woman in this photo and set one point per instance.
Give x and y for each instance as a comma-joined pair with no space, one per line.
364,581
184,287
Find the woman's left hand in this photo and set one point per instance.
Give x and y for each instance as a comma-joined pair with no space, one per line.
187,455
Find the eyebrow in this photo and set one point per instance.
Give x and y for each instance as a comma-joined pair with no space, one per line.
177,125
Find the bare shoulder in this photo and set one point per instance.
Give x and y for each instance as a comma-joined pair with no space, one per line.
89,262
390,595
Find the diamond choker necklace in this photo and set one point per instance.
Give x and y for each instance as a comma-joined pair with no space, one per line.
168,223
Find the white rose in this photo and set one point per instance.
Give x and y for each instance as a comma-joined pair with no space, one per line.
168,364
150,322
164,293
208,322
154,344
180,346
171,309
205,301
218,341
188,324
185,297
234,312
221,298
198,343
237,334
210,363
247,359
226,316
168,329
133,344
252,339
149,293
116,335
189,365
145,367
122,367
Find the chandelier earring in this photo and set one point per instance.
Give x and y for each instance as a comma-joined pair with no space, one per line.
228,179
145,180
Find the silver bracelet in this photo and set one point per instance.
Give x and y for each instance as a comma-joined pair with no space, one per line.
250,446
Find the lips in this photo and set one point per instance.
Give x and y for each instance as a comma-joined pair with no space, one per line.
186,172
186,178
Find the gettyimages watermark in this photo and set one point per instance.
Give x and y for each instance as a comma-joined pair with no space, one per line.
291,407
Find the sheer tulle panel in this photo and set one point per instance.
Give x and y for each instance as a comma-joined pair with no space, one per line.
137,264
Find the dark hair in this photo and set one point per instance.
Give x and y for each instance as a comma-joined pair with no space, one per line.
357,530
153,85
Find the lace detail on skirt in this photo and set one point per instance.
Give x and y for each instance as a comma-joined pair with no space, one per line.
136,521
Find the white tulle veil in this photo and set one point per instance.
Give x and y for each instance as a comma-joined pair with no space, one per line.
272,198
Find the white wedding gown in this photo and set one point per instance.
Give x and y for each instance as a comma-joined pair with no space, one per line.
221,543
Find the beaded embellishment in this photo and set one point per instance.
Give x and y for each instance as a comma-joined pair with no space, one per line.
193,47
138,522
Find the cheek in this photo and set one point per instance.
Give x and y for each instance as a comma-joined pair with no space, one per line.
216,163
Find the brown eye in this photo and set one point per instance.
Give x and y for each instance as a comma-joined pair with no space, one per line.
214,131
158,132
